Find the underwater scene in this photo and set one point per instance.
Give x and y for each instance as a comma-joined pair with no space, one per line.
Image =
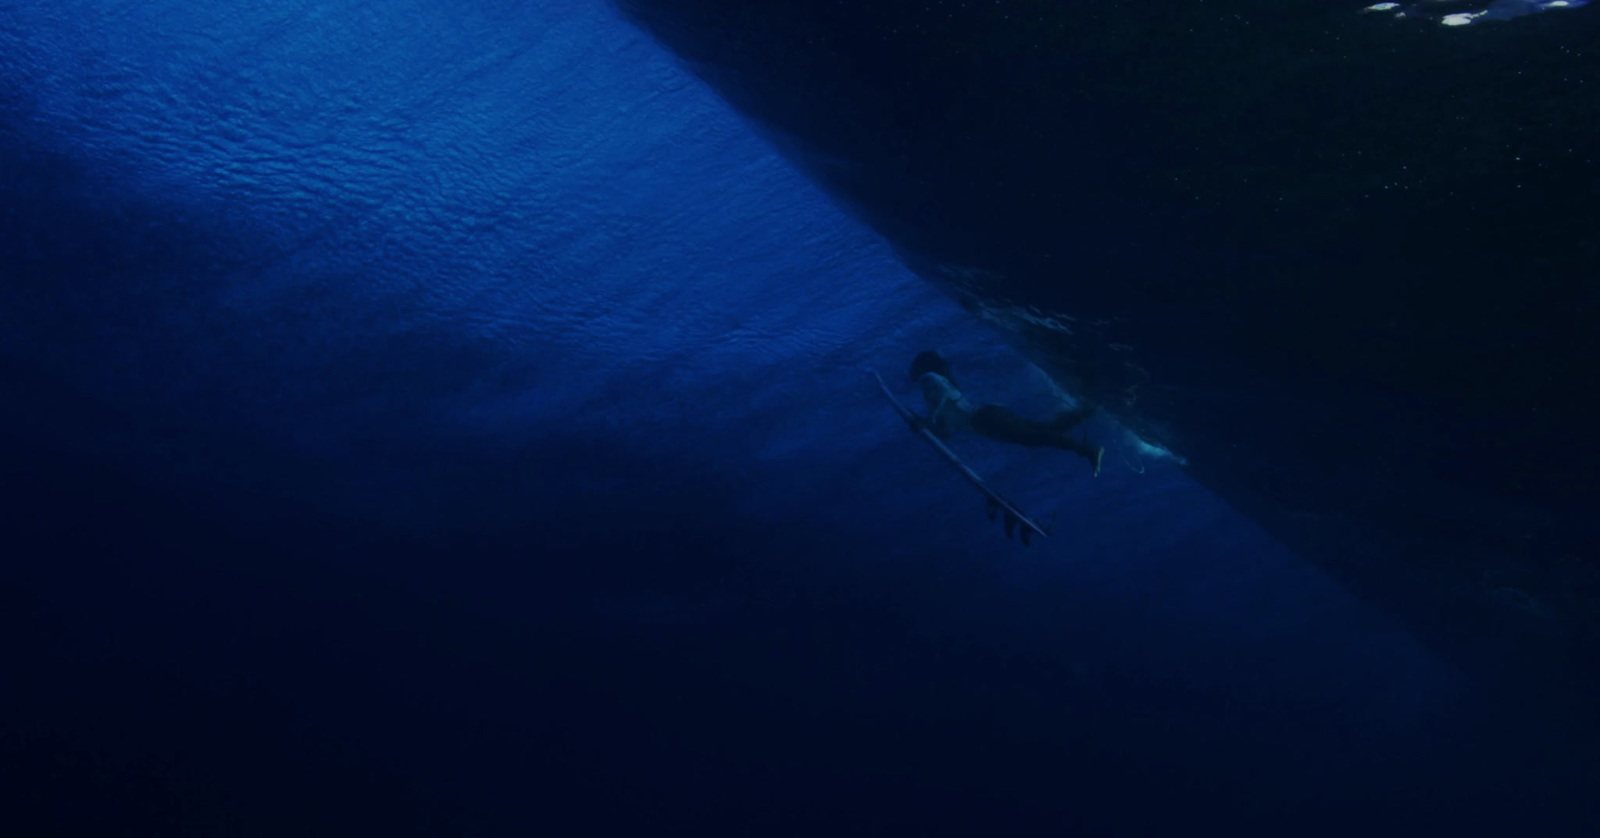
799,417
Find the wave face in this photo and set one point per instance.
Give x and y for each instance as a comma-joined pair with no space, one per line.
1287,247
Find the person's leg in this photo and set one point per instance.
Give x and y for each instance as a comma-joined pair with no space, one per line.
1071,418
1065,422
1003,425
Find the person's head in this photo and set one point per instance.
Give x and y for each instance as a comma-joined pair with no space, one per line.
930,361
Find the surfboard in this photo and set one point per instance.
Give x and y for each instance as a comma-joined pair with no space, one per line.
1015,520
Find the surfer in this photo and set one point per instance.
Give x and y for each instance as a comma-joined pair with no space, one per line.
949,412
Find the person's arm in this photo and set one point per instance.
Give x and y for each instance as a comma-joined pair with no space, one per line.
936,421
936,398
936,418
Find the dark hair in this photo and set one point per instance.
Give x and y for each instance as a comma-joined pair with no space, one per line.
929,361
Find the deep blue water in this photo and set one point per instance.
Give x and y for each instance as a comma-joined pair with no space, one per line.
453,418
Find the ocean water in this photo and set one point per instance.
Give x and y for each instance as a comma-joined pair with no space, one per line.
455,418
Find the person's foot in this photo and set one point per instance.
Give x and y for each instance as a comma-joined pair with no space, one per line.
1098,455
